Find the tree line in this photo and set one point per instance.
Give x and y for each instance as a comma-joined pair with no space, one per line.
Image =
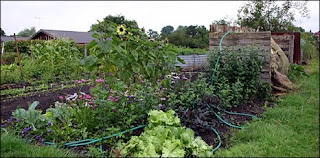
263,15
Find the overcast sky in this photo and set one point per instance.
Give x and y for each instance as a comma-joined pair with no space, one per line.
80,15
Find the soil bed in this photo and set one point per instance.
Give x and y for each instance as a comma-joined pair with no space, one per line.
255,108
46,99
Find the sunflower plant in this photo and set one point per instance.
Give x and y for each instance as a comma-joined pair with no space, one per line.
126,53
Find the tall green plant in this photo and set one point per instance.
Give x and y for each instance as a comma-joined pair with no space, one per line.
237,77
127,53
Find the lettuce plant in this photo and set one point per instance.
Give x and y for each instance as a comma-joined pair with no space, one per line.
165,136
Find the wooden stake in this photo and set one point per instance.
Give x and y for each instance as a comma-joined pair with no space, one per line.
15,39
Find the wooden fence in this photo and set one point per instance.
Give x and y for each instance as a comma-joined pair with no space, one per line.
260,39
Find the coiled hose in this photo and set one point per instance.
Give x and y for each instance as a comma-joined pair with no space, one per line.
212,83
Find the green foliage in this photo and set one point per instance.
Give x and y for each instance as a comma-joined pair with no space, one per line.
29,124
296,72
27,46
190,51
167,30
222,22
269,16
192,36
309,46
185,92
118,19
164,136
27,32
49,61
237,77
10,73
128,53
8,58
24,46
284,130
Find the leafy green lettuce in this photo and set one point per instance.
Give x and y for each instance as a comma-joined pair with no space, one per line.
165,137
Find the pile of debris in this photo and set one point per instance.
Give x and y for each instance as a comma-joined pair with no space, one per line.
279,68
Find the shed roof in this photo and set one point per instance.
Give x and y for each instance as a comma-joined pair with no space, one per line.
7,38
78,37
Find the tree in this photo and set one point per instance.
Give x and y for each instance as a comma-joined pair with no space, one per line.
167,30
27,32
153,34
118,19
2,32
267,15
190,36
222,22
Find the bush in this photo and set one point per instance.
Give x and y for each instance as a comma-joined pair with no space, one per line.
308,46
8,58
296,71
237,77
10,74
27,46
50,60
24,46
190,51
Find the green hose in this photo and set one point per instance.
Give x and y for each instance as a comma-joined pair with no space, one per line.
219,138
235,113
235,126
90,141
216,65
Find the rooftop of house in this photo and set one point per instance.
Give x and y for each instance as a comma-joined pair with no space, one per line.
78,37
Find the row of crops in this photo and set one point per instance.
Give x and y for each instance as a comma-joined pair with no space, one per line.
134,88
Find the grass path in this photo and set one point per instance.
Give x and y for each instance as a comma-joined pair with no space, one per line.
289,129
14,147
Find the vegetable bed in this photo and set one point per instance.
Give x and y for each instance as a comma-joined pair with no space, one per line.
179,114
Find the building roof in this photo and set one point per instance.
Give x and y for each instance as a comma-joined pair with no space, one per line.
7,38
78,37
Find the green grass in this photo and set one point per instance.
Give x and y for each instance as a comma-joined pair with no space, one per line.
15,147
289,129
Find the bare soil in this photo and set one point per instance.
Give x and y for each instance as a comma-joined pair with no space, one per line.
46,99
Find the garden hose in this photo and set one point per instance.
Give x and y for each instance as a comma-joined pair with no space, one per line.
216,65
90,141
219,138
224,121
235,113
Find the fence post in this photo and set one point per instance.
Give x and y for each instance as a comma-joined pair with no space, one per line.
15,39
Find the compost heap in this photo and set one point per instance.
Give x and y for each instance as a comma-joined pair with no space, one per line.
279,68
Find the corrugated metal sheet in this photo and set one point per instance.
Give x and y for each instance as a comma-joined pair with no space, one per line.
193,62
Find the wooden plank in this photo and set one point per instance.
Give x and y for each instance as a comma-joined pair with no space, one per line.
260,39
286,43
255,35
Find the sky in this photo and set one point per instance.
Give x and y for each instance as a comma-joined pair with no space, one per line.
80,15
